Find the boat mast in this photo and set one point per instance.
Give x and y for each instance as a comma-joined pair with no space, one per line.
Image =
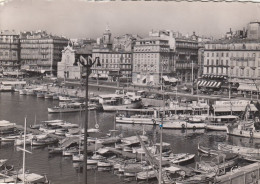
161,129
24,150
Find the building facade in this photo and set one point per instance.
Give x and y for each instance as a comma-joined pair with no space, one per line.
67,68
238,60
185,50
41,52
9,52
114,64
186,59
253,30
152,60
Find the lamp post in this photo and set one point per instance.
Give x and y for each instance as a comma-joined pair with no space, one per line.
87,63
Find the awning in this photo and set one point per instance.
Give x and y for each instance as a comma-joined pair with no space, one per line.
247,87
233,108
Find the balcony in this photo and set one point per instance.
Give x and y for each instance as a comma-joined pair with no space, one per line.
242,58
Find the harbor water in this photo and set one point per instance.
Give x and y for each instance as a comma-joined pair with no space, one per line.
14,108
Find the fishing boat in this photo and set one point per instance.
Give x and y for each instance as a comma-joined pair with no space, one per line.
208,151
219,123
146,175
5,123
68,107
64,98
180,157
237,149
44,141
71,151
221,162
104,164
22,91
48,95
78,158
40,94
114,102
92,162
243,129
30,92
55,150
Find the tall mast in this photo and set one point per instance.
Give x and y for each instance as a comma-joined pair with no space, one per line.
24,150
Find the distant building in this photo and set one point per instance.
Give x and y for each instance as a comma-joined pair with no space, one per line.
69,68
115,62
40,52
253,30
125,42
152,61
185,53
235,60
9,52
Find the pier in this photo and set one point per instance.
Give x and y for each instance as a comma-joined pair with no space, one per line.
249,174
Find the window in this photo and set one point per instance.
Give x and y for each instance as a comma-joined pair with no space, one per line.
241,72
217,54
212,54
207,54
222,54
217,62
6,53
247,72
237,72
227,54
207,61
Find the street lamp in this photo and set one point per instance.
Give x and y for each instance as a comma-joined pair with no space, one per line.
87,63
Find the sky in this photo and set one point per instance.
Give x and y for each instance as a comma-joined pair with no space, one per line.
84,19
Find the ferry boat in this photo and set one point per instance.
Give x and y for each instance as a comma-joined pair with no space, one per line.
67,107
114,102
243,129
220,122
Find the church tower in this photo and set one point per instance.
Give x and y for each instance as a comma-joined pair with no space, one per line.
107,36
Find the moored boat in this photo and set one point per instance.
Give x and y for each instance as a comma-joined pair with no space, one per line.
68,107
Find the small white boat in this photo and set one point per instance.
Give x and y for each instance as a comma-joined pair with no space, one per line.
104,164
216,126
92,162
146,175
30,92
40,95
22,91
180,157
64,98
4,123
70,152
48,95
97,157
78,158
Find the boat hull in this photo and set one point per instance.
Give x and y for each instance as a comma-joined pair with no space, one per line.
134,105
63,110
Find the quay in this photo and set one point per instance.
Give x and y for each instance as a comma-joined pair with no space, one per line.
19,127
249,174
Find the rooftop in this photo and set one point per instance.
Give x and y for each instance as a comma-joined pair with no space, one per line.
233,40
